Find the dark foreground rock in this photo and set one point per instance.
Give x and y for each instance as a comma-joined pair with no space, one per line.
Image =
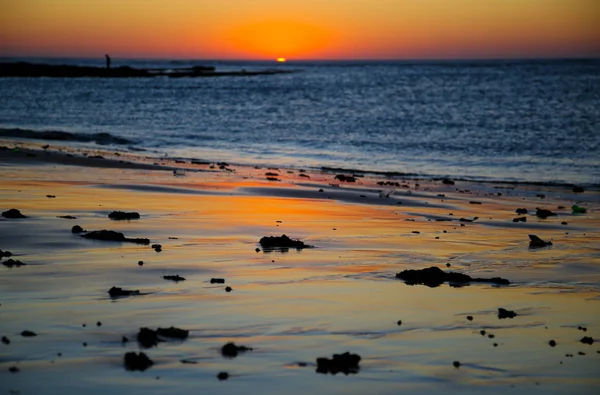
28,333
520,219
434,276
13,263
217,281
536,242
111,235
346,363
175,278
587,340
115,292
13,213
345,178
121,215
231,350
503,313
223,376
147,337
543,213
77,229
283,241
134,361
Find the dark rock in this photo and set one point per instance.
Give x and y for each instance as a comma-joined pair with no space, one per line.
346,363
447,181
5,340
13,213
521,211
564,223
28,334
581,353
121,215
543,213
520,219
217,281
495,344
84,344
13,263
468,220
77,229
140,263
257,249
503,313
345,178
110,235
231,350
491,336
578,189
587,340
223,376
474,202
173,332
470,317
581,328
541,196
456,364
116,292
5,254
51,196
434,276
175,278
321,190
66,217
228,289
124,339
157,247
14,369
536,242
188,362
147,337
283,241
98,323
399,322
134,361
482,332
552,343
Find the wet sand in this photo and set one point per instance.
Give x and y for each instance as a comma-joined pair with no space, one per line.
296,306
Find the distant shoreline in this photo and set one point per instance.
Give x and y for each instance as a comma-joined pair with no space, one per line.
29,70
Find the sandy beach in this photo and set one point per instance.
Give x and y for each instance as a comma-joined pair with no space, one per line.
291,307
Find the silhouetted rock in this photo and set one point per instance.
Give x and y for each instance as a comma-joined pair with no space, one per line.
77,229
536,242
223,376
172,332
217,281
522,211
121,215
147,337
543,213
14,369
434,276
578,189
587,340
456,364
520,219
345,178
447,181
13,213
175,278
552,343
5,340
345,363
283,241
13,263
134,361
28,334
110,235
503,313
230,350
470,317
468,220
116,292
228,289
66,217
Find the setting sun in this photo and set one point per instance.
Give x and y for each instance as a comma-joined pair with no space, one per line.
281,60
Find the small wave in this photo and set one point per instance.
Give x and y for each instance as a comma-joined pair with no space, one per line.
102,138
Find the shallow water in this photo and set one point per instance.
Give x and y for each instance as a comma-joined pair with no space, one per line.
296,306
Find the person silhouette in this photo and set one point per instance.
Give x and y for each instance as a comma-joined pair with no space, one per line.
107,61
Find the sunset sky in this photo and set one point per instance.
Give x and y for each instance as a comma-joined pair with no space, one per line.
301,29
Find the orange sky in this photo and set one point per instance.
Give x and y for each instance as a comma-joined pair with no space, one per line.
301,29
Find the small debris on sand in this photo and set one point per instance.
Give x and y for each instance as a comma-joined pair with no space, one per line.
116,292
140,263
13,213
28,334
175,278
66,217
543,213
121,215
110,235
217,281
188,361
503,313
456,364
536,242
399,322
223,376
134,361
552,343
231,350
520,219
5,340
346,363
587,340
434,276
77,229
522,211
228,289
98,323
470,317
283,241
51,196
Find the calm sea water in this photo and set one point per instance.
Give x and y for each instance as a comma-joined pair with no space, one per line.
505,120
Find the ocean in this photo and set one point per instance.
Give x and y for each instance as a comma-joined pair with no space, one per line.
518,121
